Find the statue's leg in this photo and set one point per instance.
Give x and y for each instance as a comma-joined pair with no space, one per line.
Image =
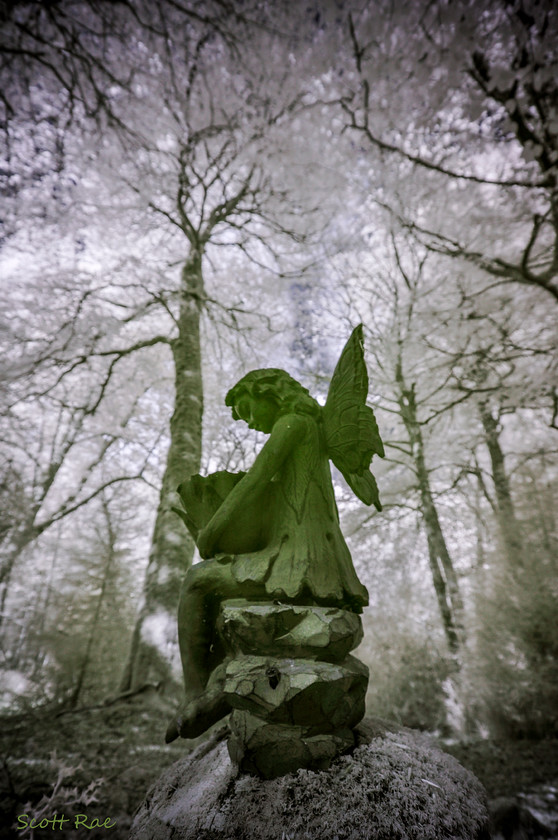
205,586
195,628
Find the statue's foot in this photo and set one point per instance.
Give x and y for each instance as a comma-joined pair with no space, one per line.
197,715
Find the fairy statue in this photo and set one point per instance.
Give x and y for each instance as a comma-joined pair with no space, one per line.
273,532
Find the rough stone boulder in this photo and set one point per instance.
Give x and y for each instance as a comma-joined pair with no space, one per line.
394,785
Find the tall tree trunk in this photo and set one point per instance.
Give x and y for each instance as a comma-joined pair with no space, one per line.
40,615
155,633
444,578
547,524
505,511
24,537
84,666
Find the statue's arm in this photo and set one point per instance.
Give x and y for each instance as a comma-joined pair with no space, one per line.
286,433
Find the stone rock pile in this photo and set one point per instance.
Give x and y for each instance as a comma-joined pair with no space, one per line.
295,691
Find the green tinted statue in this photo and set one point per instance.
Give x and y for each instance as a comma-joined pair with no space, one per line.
273,533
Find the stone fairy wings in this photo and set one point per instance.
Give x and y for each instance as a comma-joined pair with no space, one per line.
351,431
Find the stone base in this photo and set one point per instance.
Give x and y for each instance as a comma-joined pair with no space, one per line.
394,784
295,691
305,631
320,696
292,713
270,750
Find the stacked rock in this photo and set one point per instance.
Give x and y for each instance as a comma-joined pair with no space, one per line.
295,692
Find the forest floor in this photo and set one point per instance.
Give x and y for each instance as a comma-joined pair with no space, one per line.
100,763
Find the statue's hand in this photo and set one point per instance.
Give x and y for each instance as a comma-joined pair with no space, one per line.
205,543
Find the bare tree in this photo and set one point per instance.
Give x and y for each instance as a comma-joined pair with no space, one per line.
109,541
444,577
189,118
45,432
494,131
414,390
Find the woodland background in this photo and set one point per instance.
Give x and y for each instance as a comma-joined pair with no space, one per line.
195,189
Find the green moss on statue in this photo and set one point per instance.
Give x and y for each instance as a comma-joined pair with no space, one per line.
273,533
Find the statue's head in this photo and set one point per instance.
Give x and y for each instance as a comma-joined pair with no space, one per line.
262,396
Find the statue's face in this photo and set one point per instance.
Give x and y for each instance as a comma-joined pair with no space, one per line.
259,412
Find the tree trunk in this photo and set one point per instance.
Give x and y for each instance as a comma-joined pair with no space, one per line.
154,641
27,533
507,521
444,578
84,666
40,616
441,565
547,525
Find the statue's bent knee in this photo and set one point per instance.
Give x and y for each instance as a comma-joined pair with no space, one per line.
201,576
